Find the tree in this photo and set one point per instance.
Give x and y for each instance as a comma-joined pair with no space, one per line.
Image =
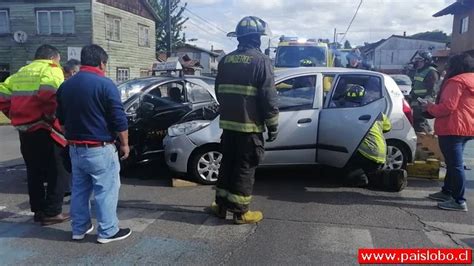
347,45
435,35
177,22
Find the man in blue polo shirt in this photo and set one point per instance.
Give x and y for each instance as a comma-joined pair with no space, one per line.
90,109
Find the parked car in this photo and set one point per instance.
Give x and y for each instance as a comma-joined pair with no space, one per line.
403,82
152,104
315,127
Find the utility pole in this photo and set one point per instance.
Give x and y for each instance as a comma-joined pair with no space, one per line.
335,34
168,26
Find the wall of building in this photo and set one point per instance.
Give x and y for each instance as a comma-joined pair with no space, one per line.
395,53
204,58
463,42
22,17
125,53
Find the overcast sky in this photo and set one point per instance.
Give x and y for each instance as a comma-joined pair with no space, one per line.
209,20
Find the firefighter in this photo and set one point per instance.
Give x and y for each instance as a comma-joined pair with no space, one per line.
247,96
424,81
372,152
28,98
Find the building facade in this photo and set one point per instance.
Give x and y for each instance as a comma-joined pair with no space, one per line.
392,55
125,29
463,25
207,59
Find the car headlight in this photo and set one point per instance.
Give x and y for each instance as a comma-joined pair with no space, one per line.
187,128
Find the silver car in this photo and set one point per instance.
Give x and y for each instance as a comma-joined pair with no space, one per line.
316,125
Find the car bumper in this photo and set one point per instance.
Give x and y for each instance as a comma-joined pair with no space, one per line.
177,152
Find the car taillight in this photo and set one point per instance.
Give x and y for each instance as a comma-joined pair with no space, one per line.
408,111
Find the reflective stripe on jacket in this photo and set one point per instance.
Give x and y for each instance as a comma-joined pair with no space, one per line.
419,87
374,147
246,91
29,96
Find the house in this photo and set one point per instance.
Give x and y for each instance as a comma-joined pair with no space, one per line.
125,29
207,58
392,54
463,25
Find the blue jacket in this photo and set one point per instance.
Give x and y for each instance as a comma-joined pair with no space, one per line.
90,108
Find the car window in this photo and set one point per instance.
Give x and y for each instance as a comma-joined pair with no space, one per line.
328,80
291,56
132,87
165,95
197,94
296,93
401,79
371,85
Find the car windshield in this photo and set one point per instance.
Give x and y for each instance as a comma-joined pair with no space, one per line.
401,79
291,56
132,87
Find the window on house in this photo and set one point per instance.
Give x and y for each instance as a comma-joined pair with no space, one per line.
464,25
123,74
55,22
143,35
4,22
112,28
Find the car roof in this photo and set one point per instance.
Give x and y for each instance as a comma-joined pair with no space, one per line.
167,77
309,70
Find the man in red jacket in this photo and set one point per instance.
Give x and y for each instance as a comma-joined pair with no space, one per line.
28,98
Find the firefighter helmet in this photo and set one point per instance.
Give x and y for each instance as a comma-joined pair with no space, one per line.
250,25
306,63
355,93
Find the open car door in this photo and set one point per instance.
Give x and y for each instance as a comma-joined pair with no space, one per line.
344,123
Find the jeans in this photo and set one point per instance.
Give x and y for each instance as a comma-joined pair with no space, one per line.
95,170
452,148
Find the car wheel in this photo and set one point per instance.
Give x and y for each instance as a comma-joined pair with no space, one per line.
204,165
397,156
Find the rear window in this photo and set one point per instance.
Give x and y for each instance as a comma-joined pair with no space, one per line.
401,80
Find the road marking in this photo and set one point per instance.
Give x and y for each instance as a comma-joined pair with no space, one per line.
341,240
462,229
440,239
19,217
214,229
137,220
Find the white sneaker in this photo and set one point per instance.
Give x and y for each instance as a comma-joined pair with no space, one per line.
80,237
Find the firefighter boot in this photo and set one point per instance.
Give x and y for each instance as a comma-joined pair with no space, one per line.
249,217
220,212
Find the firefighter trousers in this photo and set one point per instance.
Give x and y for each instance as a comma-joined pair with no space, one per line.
242,152
38,150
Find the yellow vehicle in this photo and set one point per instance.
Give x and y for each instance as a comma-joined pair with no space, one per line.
292,51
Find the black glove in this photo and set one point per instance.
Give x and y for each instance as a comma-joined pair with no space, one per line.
272,133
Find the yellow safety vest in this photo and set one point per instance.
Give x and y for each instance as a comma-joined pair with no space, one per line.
373,147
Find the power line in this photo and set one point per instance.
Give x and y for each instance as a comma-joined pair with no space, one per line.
352,20
205,20
209,32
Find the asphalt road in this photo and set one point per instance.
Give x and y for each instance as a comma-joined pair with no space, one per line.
308,220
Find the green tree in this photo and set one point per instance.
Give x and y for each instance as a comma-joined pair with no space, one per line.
347,45
435,35
177,23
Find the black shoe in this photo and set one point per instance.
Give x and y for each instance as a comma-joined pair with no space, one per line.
121,234
67,194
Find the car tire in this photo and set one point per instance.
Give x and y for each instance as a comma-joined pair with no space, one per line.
204,165
397,155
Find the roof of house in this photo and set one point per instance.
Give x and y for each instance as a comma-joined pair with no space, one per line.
455,8
372,46
212,53
151,10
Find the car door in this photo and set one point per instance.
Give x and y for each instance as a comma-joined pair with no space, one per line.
298,120
160,107
343,123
